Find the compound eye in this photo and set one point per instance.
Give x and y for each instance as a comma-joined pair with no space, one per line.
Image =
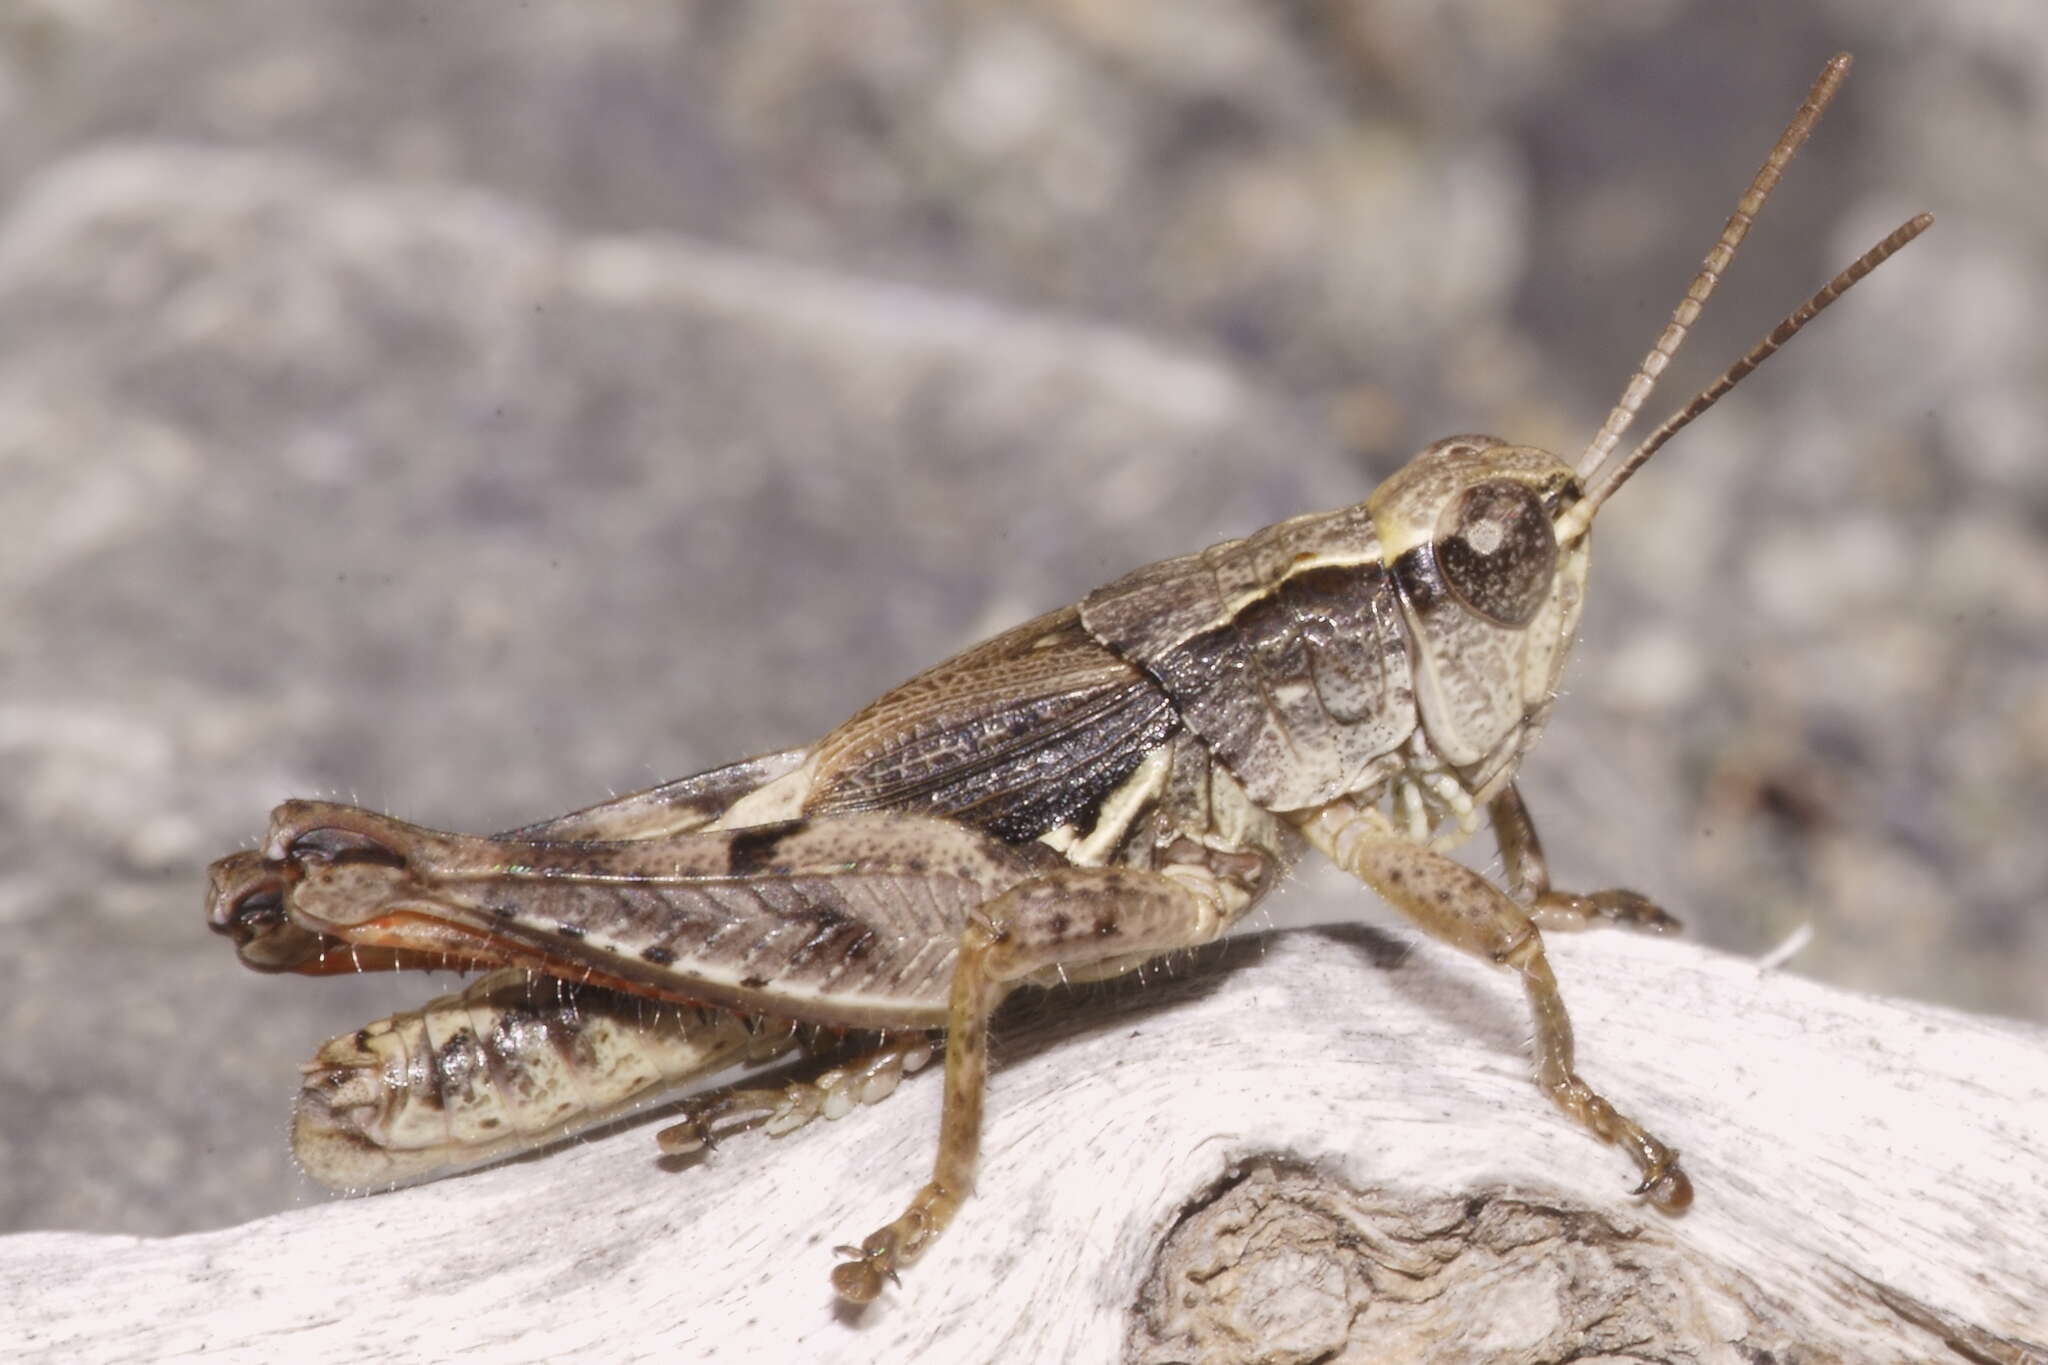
1497,552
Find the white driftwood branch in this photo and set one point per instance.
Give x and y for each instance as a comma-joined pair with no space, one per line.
1319,1138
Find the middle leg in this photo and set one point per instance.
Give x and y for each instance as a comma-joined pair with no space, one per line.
1528,873
1073,917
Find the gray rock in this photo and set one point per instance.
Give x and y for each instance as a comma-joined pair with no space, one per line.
472,411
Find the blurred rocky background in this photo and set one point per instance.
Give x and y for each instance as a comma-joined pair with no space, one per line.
472,410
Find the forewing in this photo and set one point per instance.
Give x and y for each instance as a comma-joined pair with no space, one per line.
1017,736
672,808
850,919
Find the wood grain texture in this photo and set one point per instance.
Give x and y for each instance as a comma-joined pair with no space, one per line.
1309,1145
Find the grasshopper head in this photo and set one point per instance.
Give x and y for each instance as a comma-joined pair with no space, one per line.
1487,541
1471,530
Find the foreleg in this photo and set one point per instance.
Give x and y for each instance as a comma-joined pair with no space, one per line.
1455,904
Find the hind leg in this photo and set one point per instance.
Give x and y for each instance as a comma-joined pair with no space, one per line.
832,1093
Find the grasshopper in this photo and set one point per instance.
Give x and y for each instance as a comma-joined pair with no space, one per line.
1113,781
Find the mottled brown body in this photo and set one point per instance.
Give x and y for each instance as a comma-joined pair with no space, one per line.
1104,784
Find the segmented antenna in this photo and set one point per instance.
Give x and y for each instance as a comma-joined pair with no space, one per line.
1594,468
1611,479
1637,390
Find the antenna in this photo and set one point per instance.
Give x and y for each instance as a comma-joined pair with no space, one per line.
1603,487
1634,394
1593,468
